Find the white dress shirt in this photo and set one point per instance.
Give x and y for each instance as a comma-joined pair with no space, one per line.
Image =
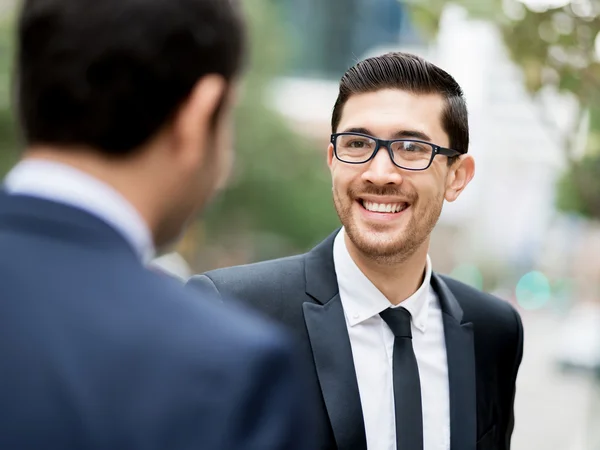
372,344
64,184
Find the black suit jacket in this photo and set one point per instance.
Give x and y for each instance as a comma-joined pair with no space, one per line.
99,353
484,340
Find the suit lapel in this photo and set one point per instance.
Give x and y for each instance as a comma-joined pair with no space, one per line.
461,369
331,348
332,354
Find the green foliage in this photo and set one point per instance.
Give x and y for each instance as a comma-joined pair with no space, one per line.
579,188
568,196
282,185
8,139
554,47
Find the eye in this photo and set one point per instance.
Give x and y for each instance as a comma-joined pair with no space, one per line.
357,143
414,147
409,147
352,142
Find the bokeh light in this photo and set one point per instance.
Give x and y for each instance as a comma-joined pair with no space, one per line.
544,5
468,274
533,290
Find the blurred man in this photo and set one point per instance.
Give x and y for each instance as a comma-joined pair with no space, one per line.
125,111
404,358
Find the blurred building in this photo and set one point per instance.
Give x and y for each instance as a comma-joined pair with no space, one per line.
329,36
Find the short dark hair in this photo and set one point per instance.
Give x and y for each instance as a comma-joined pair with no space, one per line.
410,73
109,74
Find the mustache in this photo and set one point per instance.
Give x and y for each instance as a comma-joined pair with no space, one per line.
392,191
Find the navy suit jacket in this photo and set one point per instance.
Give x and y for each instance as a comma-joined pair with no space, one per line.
97,352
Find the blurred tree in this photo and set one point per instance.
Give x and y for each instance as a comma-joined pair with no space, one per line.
559,47
579,188
8,135
281,186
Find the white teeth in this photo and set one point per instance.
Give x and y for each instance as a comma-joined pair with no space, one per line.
384,207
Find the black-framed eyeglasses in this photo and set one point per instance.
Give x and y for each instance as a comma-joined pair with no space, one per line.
408,154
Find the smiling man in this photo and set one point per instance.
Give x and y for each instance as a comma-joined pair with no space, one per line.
404,358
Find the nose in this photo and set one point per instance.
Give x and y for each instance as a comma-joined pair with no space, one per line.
381,170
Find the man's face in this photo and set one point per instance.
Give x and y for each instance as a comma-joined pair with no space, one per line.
215,172
204,173
415,199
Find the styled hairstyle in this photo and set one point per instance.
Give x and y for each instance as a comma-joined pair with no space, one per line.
413,74
108,74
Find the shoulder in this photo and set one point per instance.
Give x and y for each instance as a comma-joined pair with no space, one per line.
496,323
478,305
197,355
203,328
290,265
253,279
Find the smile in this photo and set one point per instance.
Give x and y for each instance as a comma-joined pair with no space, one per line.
390,208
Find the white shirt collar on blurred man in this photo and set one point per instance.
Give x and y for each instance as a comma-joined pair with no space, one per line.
64,184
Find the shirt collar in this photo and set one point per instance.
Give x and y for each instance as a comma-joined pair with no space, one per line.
65,184
361,300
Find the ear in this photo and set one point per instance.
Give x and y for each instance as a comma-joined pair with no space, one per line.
192,125
330,155
459,176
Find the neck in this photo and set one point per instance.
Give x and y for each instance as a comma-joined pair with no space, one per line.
396,280
124,175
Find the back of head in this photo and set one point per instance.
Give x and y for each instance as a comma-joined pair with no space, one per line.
413,74
108,74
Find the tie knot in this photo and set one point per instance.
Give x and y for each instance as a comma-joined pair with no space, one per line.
398,319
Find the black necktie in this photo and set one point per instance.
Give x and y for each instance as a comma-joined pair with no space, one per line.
407,386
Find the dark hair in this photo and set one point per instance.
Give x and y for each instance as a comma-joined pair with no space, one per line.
109,74
413,74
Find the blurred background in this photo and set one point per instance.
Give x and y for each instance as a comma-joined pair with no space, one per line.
528,227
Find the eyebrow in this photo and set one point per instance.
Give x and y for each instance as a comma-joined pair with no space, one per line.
404,134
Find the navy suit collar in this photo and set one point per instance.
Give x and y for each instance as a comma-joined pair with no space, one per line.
44,217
